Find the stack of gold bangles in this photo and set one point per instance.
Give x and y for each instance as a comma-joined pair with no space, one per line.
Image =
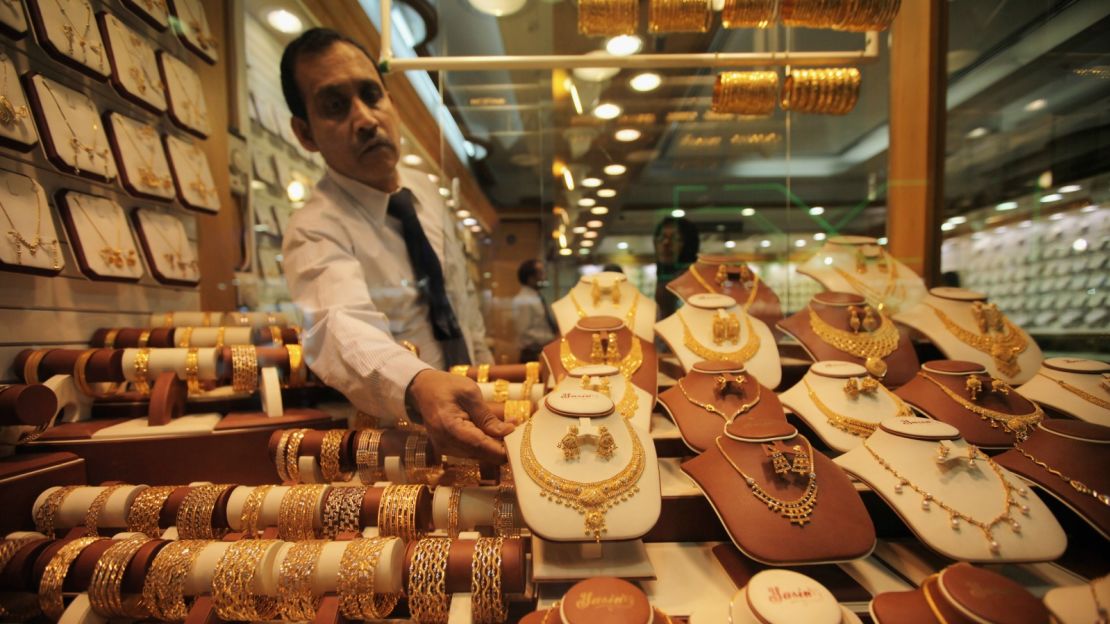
286,455
606,18
831,91
367,456
297,513
397,511
856,16
330,457
748,13
244,368
679,16
298,372
746,93
357,570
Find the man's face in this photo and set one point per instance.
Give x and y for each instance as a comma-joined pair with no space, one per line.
668,243
540,275
351,120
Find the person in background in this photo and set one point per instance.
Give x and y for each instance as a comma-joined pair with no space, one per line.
535,326
373,259
676,248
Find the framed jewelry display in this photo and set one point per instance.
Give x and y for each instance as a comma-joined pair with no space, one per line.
194,30
153,12
13,21
187,107
192,175
144,170
169,252
31,242
67,30
100,237
70,128
17,129
134,65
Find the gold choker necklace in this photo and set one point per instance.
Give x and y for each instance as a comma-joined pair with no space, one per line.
855,426
1004,348
1079,392
872,347
740,356
712,409
1017,424
797,511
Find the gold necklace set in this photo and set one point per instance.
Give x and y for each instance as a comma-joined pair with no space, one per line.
590,499
855,426
69,29
111,256
10,114
139,52
956,516
871,346
1076,484
797,511
629,316
147,175
20,242
722,278
1017,424
199,116
713,409
75,141
176,256
610,354
740,356
1081,393
998,337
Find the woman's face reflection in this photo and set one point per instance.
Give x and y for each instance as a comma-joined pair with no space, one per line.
668,243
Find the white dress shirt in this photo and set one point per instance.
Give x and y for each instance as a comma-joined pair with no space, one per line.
348,270
532,328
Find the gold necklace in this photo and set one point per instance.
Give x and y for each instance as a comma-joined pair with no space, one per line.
75,141
854,426
740,356
1003,348
69,29
197,184
872,347
628,365
712,289
891,289
629,317
1017,424
147,176
9,113
797,511
139,52
32,246
713,409
111,256
954,515
1076,484
591,499
204,39
199,116
176,256
1079,392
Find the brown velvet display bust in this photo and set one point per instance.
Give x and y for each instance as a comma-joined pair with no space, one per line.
736,280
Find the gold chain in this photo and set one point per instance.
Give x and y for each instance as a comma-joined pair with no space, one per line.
797,511
891,290
740,356
1017,424
1076,484
712,409
700,279
1004,348
629,317
1079,392
75,141
628,365
19,241
111,256
854,426
9,113
590,499
872,346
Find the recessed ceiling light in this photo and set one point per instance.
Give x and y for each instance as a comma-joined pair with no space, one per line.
592,182
606,193
820,236
444,191
747,212
296,191
587,243
607,110
590,234
412,159
498,8
801,242
433,178
599,210
475,228
594,223
565,252
1051,197
828,260
678,213
730,244
1090,208
1004,206
959,220
1070,188
816,211
615,170
1080,244
587,202
647,81
947,227
622,245
765,243
578,229
469,221
978,133
462,214
624,45
883,240
627,135
285,21
1036,105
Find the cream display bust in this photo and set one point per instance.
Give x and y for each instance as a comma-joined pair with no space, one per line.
1068,385
1079,603
1023,531
692,326
785,597
639,404
616,297
838,267
840,412
633,512
957,307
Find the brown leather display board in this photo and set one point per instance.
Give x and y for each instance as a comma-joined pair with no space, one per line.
646,377
739,282
23,477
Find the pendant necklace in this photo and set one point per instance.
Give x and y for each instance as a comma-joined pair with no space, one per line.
999,337
197,183
69,29
33,245
713,409
740,356
1017,424
75,141
797,511
871,346
176,256
147,176
138,51
10,114
111,256
198,116
855,426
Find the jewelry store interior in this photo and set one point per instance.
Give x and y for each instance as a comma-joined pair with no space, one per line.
798,311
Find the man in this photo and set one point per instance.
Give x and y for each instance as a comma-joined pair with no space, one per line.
676,248
535,326
371,259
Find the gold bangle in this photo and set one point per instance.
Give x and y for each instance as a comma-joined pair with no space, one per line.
107,577
501,391
142,371
298,373
666,16
367,456
532,371
297,514
164,585
184,337
275,336
329,456
343,510
31,366
606,18
504,512
144,338
279,455
47,513
92,514
292,455
233,594
251,513
80,375
244,368
146,510
195,516
516,412
416,457
220,336
192,371
357,571
20,607
487,598
297,600
454,500
54,576
460,369
483,373
397,512
110,338
427,590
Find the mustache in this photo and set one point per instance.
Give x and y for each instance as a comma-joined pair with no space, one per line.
379,140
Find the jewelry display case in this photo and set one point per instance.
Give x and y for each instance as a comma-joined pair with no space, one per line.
187,106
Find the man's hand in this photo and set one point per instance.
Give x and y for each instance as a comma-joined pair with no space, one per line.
457,419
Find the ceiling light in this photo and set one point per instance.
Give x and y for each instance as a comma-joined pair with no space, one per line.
624,45
615,170
1051,197
747,212
590,234
765,243
978,133
444,191
587,243
627,135
596,74
647,81
568,179
1090,208
498,8
578,229
883,241
475,228
594,223
587,202
820,236
622,245
1080,244
730,244
469,221
285,21
412,159
801,242
607,110
296,191
599,210
565,251
433,178
1004,206
816,211
584,252
828,260
960,220
462,214
1070,188
574,97
1036,105
591,182
606,193
678,213
947,227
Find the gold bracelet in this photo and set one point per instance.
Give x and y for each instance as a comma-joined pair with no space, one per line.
504,512
279,455
487,599
50,586
146,510
252,511
110,338
244,368
416,457
233,593
298,373
31,366
357,571
142,371
292,457
184,337
483,373
80,375
92,514
427,590
206,319
501,391
192,371
47,513
107,578
460,369
275,336
195,516
397,512
144,338
297,600
297,514
164,585
329,456
343,510
516,412
454,500
367,456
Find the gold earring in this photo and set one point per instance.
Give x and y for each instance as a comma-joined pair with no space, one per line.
942,453
802,463
974,386
603,386
615,294
733,328
853,318
972,454
869,322
868,385
746,274
1000,387
778,461
851,388
597,353
612,355
979,312
595,293
586,383
606,444
569,444
720,327
722,274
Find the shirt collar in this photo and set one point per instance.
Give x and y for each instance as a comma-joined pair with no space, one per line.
363,196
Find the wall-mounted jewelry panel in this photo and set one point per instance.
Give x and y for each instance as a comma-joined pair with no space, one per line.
100,237
17,128
192,175
186,104
144,170
172,257
67,30
195,32
134,65
72,134
154,12
13,21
